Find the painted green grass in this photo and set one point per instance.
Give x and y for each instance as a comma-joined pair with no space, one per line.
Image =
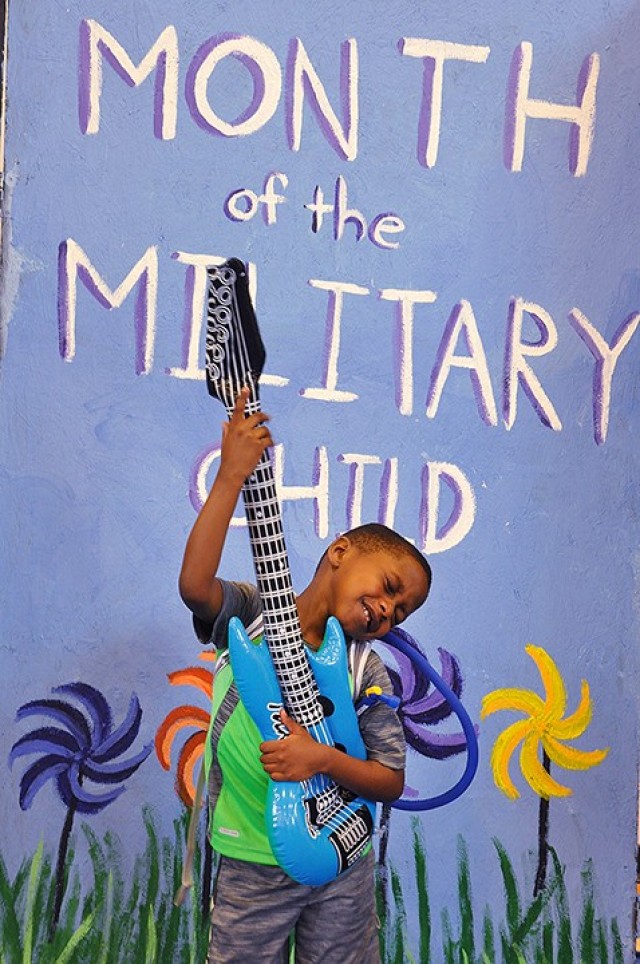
121,920
131,919
531,931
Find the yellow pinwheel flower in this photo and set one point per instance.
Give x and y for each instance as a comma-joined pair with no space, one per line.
545,727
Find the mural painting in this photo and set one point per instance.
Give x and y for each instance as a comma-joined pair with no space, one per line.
438,214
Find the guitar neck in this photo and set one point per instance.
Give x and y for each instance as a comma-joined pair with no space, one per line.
282,629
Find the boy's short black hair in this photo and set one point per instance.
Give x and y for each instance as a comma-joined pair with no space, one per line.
375,537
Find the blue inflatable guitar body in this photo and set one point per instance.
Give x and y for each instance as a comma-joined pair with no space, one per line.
316,828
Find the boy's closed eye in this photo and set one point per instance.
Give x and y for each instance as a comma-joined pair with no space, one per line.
392,588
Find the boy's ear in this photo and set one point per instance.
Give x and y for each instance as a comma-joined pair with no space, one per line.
337,550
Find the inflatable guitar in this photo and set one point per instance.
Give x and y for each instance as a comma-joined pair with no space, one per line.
316,828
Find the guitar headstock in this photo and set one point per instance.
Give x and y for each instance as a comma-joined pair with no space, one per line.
234,352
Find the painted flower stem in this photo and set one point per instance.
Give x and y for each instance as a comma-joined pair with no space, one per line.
383,870
59,880
207,868
543,834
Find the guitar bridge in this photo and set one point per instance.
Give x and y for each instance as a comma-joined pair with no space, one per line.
352,828
352,836
321,808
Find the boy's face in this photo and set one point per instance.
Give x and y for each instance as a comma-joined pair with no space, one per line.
373,591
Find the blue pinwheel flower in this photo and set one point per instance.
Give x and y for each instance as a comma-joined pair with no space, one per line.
86,749
84,746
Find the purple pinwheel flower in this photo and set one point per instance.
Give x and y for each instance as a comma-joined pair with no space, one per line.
84,746
422,705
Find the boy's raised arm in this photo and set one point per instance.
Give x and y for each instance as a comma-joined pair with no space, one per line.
243,442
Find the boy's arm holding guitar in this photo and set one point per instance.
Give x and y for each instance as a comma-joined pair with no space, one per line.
243,442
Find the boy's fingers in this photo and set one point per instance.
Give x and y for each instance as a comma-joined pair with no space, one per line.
241,401
290,723
263,433
256,419
255,423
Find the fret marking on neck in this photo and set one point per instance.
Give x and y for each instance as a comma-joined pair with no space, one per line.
279,611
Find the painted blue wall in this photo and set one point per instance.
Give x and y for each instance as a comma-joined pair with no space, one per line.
101,444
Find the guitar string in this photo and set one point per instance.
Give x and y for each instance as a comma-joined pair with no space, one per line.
277,584
273,587
319,783
342,814
238,383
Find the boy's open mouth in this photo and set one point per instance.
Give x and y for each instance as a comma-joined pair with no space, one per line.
369,621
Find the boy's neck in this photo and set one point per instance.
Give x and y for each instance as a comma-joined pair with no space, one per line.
313,617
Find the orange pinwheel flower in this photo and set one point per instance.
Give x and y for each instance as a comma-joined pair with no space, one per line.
180,718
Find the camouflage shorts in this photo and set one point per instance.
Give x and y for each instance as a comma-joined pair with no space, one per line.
257,908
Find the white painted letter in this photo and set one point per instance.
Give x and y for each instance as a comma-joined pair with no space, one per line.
462,319
386,224
403,340
517,370
194,310
520,106
318,491
96,42
458,525
302,75
606,357
74,263
329,392
388,488
198,489
435,53
356,485
389,493
262,64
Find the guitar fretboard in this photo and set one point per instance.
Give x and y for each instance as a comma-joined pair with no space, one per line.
232,347
280,613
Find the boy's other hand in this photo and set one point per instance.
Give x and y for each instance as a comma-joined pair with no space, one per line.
296,757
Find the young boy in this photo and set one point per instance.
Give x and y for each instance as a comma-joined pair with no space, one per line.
370,579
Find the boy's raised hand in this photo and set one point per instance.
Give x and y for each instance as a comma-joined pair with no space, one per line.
243,440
